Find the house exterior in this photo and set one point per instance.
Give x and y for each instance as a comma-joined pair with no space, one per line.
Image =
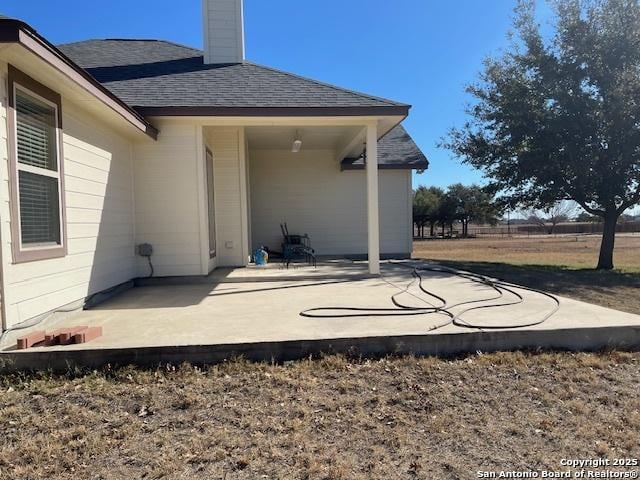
109,144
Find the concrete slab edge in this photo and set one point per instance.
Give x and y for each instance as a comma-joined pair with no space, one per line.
445,345
202,280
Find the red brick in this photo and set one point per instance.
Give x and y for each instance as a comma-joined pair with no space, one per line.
87,335
53,337
66,337
31,339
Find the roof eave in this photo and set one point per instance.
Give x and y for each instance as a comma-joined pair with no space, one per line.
212,111
19,32
347,164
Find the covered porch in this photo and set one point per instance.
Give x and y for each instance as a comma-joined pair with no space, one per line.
317,192
262,174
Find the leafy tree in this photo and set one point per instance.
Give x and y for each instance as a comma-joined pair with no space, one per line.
559,119
473,204
447,213
426,203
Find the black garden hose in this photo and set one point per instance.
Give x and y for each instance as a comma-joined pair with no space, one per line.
400,309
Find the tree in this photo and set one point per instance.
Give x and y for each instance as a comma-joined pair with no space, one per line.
559,119
426,202
472,204
550,217
447,213
586,217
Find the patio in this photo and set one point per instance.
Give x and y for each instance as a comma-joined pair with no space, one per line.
255,312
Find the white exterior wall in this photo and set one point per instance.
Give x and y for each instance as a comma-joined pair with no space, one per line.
310,193
100,223
232,232
167,200
4,191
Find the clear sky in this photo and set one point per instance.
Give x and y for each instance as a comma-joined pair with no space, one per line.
421,52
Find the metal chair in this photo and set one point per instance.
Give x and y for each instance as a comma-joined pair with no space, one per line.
296,246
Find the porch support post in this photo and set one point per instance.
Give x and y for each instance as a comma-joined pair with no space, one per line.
373,225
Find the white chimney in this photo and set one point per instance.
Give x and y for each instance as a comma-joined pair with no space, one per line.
223,31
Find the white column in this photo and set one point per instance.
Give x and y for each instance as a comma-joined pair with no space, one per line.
373,224
244,202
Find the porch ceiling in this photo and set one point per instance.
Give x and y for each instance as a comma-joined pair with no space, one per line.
313,137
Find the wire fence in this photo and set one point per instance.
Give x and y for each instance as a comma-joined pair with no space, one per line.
527,230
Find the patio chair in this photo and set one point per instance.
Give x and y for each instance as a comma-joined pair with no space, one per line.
296,246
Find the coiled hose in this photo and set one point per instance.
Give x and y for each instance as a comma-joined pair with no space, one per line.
499,286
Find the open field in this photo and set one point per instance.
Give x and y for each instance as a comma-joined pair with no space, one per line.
562,251
562,265
325,419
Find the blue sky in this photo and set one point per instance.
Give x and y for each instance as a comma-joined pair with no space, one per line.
421,52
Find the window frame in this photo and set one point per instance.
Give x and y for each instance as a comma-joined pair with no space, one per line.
18,80
211,202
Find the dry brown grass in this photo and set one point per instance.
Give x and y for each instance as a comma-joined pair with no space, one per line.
562,265
327,419
562,251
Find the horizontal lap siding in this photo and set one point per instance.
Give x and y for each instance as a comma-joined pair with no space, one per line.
224,31
100,223
228,178
167,202
4,190
310,193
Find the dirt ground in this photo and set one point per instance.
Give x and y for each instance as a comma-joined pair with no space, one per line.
333,418
563,265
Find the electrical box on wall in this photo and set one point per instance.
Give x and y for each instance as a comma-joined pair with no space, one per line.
145,250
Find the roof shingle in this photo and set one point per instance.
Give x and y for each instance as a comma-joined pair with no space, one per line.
396,150
153,74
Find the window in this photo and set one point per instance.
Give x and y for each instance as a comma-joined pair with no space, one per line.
37,213
211,205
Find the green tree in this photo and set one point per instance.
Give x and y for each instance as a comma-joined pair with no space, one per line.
473,204
426,202
559,119
447,213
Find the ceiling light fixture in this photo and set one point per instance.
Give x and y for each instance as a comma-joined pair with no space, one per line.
297,143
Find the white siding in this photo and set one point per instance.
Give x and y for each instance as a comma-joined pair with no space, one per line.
167,203
227,145
310,193
4,162
100,226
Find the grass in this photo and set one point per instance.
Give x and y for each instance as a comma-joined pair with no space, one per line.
332,418
563,265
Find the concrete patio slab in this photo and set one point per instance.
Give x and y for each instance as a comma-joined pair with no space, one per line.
272,272
212,320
